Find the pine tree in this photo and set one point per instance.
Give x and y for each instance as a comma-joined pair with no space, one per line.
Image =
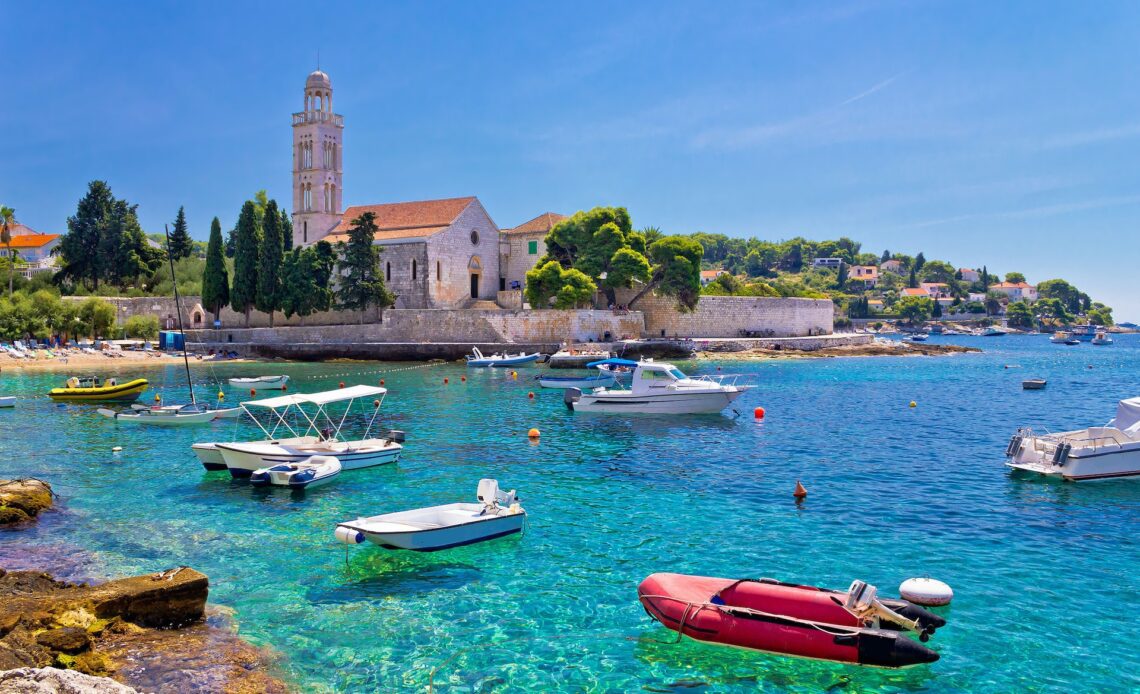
215,278
268,299
180,245
79,247
361,283
247,243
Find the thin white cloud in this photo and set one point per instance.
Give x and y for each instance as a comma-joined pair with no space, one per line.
1092,137
824,119
1034,212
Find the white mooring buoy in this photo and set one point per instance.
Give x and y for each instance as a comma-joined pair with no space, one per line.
926,591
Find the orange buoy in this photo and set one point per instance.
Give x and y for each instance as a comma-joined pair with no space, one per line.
445,381
157,397
800,492
758,413
376,403
533,433
342,384
530,395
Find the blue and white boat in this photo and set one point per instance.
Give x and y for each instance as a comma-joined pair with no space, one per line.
477,359
440,527
312,472
604,379
1085,333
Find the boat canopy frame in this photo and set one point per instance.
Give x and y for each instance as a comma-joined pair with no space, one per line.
281,406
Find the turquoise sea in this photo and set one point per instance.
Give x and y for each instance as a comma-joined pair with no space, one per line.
1046,574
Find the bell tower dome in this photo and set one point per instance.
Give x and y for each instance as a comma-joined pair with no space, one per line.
317,163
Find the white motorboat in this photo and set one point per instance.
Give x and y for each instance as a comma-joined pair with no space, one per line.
440,527
657,388
211,458
1062,337
311,472
243,458
994,332
1102,338
171,415
919,337
1112,450
262,382
476,358
7,400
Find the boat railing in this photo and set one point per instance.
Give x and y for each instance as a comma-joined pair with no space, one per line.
1074,438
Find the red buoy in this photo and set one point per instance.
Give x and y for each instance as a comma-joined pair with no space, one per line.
463,379
530,395
381,381
800,492
342,384
445,381
252,392
758,413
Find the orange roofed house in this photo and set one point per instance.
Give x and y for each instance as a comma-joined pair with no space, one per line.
522,246
35,250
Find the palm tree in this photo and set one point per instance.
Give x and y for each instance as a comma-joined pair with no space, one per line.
7,216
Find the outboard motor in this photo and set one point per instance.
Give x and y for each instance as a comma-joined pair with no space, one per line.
492,497
396,436
571,396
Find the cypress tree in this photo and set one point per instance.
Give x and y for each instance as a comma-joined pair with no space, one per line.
180,245
841,279
247,243
215,278
286,231
268,299
886,257
361,283
919,261
912,282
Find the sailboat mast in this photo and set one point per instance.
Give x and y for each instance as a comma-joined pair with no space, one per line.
178,310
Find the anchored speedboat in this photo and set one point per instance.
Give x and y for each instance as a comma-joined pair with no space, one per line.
440,527
855,626
1112,450
478,359
94,389
657,388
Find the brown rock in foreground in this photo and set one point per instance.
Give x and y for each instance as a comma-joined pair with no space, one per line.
147,631
22,500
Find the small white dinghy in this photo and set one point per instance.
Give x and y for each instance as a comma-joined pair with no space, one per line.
7,400
312,472
262,382
440,527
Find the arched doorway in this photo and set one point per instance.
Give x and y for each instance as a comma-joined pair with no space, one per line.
475,268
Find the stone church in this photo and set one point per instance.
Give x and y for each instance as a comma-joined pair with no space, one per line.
436,253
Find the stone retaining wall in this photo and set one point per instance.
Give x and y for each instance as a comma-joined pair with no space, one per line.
727,316
447,326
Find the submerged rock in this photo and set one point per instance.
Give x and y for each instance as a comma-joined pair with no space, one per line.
55,681
22,500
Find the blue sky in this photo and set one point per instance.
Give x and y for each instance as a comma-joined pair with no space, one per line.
1004,134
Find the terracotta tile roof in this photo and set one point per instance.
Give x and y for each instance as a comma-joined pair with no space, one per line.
32,240
713,274
915,291
1012,285
399,220
543,222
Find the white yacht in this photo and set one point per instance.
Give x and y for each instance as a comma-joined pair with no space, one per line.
1112,450
657,388
321,435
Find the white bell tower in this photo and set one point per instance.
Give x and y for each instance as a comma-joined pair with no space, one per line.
317,163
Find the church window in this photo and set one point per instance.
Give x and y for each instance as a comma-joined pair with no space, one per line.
332,197
438,271
304,232
413,269
474,237
388,272
532,247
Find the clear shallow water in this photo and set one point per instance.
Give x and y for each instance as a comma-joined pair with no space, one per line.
1046,574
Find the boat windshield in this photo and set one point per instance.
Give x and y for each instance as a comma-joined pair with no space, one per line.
676,373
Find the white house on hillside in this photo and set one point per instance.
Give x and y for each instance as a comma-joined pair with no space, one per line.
1016,291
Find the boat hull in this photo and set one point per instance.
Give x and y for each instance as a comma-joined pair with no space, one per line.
146,418
708,402
293,477
211,458
8,401
241,459
800,621
403,531
1081,467
263,383
491,362
121,392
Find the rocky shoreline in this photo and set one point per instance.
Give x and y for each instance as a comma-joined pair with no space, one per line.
150,633
873,349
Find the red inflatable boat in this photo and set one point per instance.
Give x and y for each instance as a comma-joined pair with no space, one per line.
767,615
